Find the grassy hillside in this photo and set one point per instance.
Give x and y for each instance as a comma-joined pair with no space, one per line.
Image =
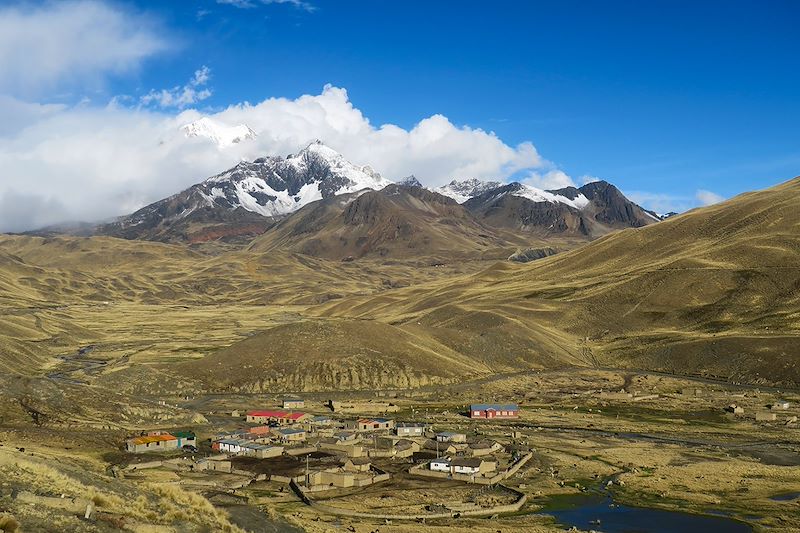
711,292
714,292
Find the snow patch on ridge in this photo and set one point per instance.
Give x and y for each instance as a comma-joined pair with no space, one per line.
220,134
538,195
245,186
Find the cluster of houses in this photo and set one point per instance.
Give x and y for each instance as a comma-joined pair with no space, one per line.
272,432
157,441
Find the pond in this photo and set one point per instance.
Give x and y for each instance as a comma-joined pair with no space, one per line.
600,513
785,497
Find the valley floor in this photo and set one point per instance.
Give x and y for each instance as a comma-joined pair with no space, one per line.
664,443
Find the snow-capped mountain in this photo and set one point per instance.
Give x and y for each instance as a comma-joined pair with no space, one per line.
249,195
410,181
274,186
463,190
590,211
219,134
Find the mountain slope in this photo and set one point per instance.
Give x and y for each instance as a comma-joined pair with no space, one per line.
713,292
397,221
590,211
245,200
463,190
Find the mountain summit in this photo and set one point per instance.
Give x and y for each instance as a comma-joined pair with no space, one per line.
590,211
219,134
242,200
463,190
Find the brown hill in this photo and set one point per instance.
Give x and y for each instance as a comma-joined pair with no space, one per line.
713,292
398,222
331,355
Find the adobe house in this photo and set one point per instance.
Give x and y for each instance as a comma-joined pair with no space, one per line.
484,447
293,403
451,436
280,417
494,410
472,465
261,451
780,405
357,464
374,424
409,430
766,417
288,435
151,443
440,465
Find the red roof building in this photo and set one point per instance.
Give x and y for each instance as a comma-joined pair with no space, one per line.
282,417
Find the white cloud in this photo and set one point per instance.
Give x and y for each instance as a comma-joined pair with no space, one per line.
666,203
86,162
661,203
180,97
707,197
248,4
551,179
587,179
61,44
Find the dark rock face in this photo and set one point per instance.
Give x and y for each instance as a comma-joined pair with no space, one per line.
607,209
532,254
612,207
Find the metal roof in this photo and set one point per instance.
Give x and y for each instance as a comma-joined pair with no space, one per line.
494,407
152,438
289,431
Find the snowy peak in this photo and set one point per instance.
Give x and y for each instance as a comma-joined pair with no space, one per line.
272,186
236,202
220,134
410,181
463,190
570,196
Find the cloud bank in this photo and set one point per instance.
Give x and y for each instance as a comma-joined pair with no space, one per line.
85,162
88,162
71,43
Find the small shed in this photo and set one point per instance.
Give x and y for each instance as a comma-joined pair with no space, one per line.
293,402
357,464
451,436
409,430
440,465
291,435
185,438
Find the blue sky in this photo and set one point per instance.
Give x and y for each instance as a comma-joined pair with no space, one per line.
664,99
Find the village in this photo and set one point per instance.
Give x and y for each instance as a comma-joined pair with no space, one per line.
479,459
318,452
